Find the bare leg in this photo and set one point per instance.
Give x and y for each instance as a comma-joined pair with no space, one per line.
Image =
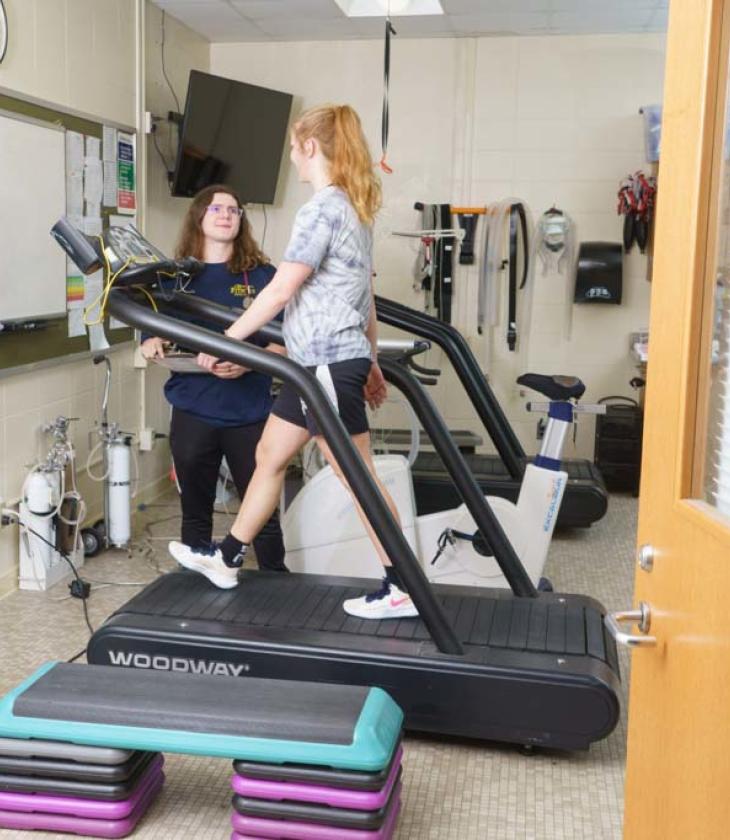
362,442
279,443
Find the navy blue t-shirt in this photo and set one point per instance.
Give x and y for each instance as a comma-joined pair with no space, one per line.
224,402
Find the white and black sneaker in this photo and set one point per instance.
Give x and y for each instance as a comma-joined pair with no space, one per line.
207,561
388,602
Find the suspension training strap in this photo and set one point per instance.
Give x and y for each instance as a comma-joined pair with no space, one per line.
443,288
386,79
516,217
468,223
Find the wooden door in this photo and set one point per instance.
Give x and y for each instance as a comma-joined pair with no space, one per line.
678,766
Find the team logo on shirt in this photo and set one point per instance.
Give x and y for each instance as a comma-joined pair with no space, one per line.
248,293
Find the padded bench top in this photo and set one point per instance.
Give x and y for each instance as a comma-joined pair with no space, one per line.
243,718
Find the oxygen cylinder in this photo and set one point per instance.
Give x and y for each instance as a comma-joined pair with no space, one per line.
118,489
40,498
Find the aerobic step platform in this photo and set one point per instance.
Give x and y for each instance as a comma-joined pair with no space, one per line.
81,806
335,797
36,821
349,727
323,776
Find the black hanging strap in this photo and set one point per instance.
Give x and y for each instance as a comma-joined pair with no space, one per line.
443,287
386,80
517,227
468,223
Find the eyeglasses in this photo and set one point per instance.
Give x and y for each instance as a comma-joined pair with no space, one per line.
224,210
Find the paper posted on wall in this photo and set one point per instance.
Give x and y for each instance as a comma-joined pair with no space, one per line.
126,176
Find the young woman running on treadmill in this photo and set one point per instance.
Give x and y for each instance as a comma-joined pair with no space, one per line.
324,283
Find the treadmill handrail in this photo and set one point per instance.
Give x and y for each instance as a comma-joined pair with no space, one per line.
449,339
453,343
452,458
122,306
458,469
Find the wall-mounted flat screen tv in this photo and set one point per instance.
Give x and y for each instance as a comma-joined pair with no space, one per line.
234,133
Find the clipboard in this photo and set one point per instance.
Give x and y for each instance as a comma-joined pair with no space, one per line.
180,363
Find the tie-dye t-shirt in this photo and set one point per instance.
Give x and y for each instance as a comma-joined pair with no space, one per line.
325,321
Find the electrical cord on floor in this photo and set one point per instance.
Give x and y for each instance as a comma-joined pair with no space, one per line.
77,655
78,587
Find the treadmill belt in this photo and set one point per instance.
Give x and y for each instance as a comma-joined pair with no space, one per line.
297,602
585,500
492,466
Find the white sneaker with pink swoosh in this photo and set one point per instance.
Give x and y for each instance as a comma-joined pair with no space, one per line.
388,602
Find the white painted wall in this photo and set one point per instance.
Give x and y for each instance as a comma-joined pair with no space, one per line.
80,55
183,51
546,119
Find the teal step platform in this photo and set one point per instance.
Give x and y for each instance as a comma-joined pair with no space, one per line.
247,719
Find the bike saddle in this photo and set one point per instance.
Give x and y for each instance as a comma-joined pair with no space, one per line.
553,387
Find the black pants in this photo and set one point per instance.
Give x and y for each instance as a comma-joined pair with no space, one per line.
197,451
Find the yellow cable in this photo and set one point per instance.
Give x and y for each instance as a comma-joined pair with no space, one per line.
103,296
151,299
97,299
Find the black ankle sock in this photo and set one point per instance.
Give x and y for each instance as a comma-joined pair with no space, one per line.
233,551
393,577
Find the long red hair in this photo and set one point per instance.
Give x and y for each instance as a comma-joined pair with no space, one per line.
338,130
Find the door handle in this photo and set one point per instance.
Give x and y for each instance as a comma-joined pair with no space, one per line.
640,616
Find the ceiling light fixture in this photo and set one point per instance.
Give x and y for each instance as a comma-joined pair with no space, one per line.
395,8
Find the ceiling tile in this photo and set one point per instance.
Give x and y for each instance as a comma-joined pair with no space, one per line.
586,8
298,20
424,27
172,3
216,22
659,20
296,29
477,7
291,9
371,27
607,20
500,23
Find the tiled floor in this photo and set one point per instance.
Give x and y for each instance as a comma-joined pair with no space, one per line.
452,790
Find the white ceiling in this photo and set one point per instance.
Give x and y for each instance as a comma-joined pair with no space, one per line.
323,20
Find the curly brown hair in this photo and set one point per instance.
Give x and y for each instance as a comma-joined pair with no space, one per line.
246,251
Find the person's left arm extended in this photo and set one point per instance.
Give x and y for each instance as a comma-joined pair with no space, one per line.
266,305
375,388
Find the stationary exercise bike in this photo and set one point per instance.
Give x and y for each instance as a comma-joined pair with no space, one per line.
323,534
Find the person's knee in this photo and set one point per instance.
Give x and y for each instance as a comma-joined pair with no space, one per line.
268,457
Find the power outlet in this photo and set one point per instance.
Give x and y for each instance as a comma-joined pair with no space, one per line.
146,440
7,519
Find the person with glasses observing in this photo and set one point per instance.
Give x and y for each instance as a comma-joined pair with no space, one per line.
220,412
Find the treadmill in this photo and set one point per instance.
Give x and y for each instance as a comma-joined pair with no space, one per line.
585,500
524,667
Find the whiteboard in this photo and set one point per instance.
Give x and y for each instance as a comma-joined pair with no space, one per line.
32,265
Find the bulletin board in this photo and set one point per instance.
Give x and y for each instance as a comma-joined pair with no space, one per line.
34,291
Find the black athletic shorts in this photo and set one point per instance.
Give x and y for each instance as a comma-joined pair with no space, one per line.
343,383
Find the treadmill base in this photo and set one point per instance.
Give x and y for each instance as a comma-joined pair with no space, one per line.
535,671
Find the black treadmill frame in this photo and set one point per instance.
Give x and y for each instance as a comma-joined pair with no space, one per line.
450,685
585,500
